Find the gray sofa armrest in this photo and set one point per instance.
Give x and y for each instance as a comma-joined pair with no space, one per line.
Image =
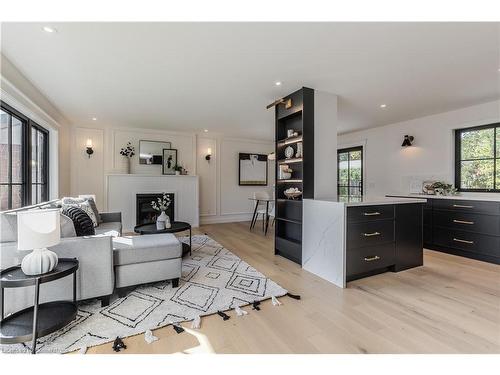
94,278
95,275
109,217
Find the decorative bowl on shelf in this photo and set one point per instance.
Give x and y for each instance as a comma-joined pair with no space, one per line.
292,193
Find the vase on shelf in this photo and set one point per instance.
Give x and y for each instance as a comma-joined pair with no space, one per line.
161,221
127,161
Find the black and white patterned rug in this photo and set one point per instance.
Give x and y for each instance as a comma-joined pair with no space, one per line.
213,279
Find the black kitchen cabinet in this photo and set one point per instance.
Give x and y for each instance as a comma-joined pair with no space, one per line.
383,238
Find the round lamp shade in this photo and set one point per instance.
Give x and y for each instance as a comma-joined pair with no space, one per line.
38,229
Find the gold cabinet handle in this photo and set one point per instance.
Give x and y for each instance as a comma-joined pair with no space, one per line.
371,213
371,259
371,234
462,206
464,241
463,222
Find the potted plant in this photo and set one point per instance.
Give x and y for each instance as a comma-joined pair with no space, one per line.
161,205
178,169
128,152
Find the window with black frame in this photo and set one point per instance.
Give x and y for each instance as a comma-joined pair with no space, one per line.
24,151
477,158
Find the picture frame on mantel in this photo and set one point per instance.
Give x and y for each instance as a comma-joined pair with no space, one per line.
252,169
169,161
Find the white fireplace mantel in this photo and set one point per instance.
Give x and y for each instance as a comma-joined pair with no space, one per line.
121,191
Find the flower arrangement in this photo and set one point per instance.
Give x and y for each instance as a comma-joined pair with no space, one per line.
128,151
443,188
162,204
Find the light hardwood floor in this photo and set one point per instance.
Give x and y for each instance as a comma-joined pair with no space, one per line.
450,305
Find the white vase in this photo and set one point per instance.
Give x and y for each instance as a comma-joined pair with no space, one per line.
39,261
160,220
167,222
177,173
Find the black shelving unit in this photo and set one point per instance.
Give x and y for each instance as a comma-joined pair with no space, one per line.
300,118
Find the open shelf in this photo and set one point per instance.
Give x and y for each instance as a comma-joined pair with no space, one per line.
290,141
289,220
290,161
291,181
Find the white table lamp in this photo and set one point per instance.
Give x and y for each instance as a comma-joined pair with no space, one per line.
37,230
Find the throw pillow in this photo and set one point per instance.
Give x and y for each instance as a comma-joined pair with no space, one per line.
94,208
67,227
85,206
81,220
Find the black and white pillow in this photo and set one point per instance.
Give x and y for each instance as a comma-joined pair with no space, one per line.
81,220
85,206
81,199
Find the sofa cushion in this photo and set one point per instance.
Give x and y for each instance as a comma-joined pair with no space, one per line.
67,227
148,248
81,220
113,228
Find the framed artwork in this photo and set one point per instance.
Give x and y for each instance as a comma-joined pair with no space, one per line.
150,152
169,160
252,169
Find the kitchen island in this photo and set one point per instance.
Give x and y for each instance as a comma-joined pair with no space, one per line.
348,239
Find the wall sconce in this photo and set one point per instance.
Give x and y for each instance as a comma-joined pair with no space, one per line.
88,145
209,154
407,141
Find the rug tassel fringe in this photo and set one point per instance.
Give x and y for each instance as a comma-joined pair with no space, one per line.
83,350
177,328
149,337
196,323
240,311
294,296
255,305
275,301
223,315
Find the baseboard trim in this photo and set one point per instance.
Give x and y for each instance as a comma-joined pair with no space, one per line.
225,219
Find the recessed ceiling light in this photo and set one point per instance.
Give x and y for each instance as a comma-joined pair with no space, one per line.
49,29
383,105
278,83
205,130
94,118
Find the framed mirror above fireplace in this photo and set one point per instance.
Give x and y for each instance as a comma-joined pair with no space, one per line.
151,152
146,214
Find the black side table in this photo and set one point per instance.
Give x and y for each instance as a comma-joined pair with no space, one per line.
177,226
40,319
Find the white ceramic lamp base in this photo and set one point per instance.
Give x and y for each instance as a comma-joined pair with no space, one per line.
39,261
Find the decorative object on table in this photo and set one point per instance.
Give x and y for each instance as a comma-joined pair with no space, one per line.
443,188
151,152
252,169
128,152
224,288
37,230
290,133
284,172
289,152
292,193
169,160
208,156
161,205
298,154
407,141
88,145
178,169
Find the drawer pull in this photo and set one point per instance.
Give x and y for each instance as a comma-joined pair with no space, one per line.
371,234
463,222
464,241
371,213
462,206
371,259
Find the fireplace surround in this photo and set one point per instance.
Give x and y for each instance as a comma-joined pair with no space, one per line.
144,211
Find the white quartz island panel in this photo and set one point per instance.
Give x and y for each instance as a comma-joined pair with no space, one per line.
323,237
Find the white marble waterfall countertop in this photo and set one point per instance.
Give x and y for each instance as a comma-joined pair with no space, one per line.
374,200
494,197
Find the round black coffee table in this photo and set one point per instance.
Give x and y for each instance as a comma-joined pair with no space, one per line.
40,319
177,226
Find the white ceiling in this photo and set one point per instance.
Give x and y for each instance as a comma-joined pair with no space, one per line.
220,76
